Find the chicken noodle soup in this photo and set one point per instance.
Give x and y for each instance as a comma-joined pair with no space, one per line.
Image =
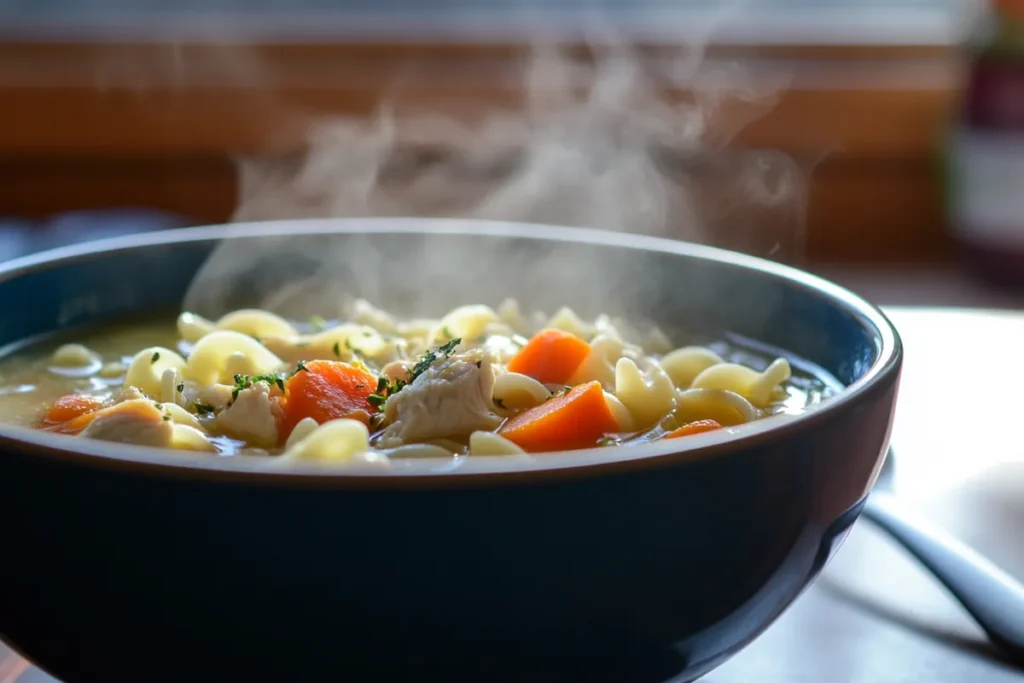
369,388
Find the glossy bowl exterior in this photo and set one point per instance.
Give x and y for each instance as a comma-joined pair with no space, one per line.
124,566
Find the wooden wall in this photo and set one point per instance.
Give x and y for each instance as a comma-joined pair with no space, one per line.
90,125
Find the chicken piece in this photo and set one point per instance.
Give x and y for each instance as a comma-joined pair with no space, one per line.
450,400
135,421
129,393
217,396
252,417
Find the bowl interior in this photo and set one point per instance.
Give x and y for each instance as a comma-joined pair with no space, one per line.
415,269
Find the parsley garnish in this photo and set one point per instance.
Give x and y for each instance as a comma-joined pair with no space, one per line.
561,392
155,358
607,441
428,358
317,323
337,349
245,381
299,367
348,345
203,408
386,389
167,418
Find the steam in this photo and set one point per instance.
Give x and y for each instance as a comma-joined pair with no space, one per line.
615,139
597,144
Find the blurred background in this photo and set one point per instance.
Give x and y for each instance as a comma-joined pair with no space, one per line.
866,138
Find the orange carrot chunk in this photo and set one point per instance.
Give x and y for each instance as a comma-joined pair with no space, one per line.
67,409
577,419
698,427
327,390
142,407
550,357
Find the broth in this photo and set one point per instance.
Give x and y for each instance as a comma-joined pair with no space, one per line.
32,385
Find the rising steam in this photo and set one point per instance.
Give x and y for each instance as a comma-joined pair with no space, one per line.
618,142
614,140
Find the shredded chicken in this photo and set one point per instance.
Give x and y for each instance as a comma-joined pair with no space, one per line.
451,399
134,421
252,417
217,396
129,393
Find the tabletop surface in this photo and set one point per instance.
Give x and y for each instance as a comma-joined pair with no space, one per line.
874,616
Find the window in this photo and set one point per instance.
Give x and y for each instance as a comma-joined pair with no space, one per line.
742,21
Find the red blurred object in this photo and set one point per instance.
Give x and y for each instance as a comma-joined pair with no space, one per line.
985,181
1009,8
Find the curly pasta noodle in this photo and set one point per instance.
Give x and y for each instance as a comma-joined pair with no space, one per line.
329,391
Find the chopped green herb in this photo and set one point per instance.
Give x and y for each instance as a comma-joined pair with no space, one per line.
203,408
299,367
348,345
386,389
155,358
317,323
337,349
376,420
607,441
241,382
561,392
428,358
245,381
167,418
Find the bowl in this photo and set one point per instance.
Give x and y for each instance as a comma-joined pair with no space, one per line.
651,563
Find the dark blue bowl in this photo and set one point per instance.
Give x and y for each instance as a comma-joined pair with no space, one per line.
639,564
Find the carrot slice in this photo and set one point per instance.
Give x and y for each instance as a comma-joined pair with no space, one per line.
68,408
577,419
550,357
698,427
78,424
327,390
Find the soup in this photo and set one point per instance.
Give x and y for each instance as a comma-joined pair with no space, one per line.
370,388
